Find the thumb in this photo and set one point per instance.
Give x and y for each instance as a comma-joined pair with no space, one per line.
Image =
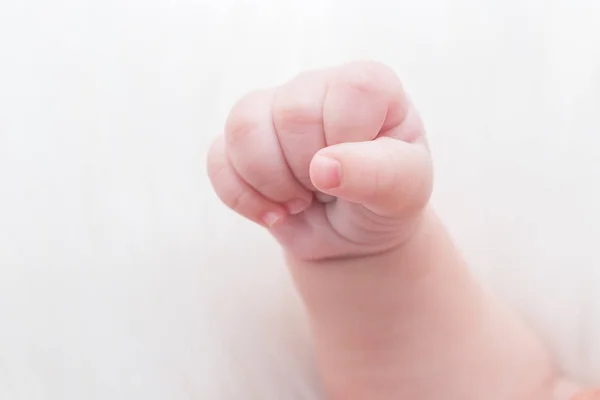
388,176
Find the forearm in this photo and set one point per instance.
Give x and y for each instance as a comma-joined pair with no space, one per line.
412,323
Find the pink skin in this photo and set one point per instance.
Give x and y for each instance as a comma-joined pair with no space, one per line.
335,164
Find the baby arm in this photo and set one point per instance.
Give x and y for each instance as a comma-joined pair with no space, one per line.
412,323
336,165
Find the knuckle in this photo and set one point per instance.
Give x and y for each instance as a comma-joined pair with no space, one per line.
240,132
219,175
262,175
294,112
243,120
257,170
368,76
292,106
240,201
232,195
265,180
224,179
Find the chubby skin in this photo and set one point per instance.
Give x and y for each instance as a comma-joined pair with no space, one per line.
335,164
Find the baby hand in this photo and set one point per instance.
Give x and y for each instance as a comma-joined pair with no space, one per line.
334,163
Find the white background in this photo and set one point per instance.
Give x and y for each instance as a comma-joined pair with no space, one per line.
121,275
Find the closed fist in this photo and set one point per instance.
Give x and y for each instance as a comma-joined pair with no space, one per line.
334,163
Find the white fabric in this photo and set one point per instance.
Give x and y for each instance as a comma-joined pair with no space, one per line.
121,275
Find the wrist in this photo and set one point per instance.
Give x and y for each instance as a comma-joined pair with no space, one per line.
377,321
385,237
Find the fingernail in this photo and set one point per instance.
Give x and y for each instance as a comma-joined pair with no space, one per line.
328,172
271,218
296,206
